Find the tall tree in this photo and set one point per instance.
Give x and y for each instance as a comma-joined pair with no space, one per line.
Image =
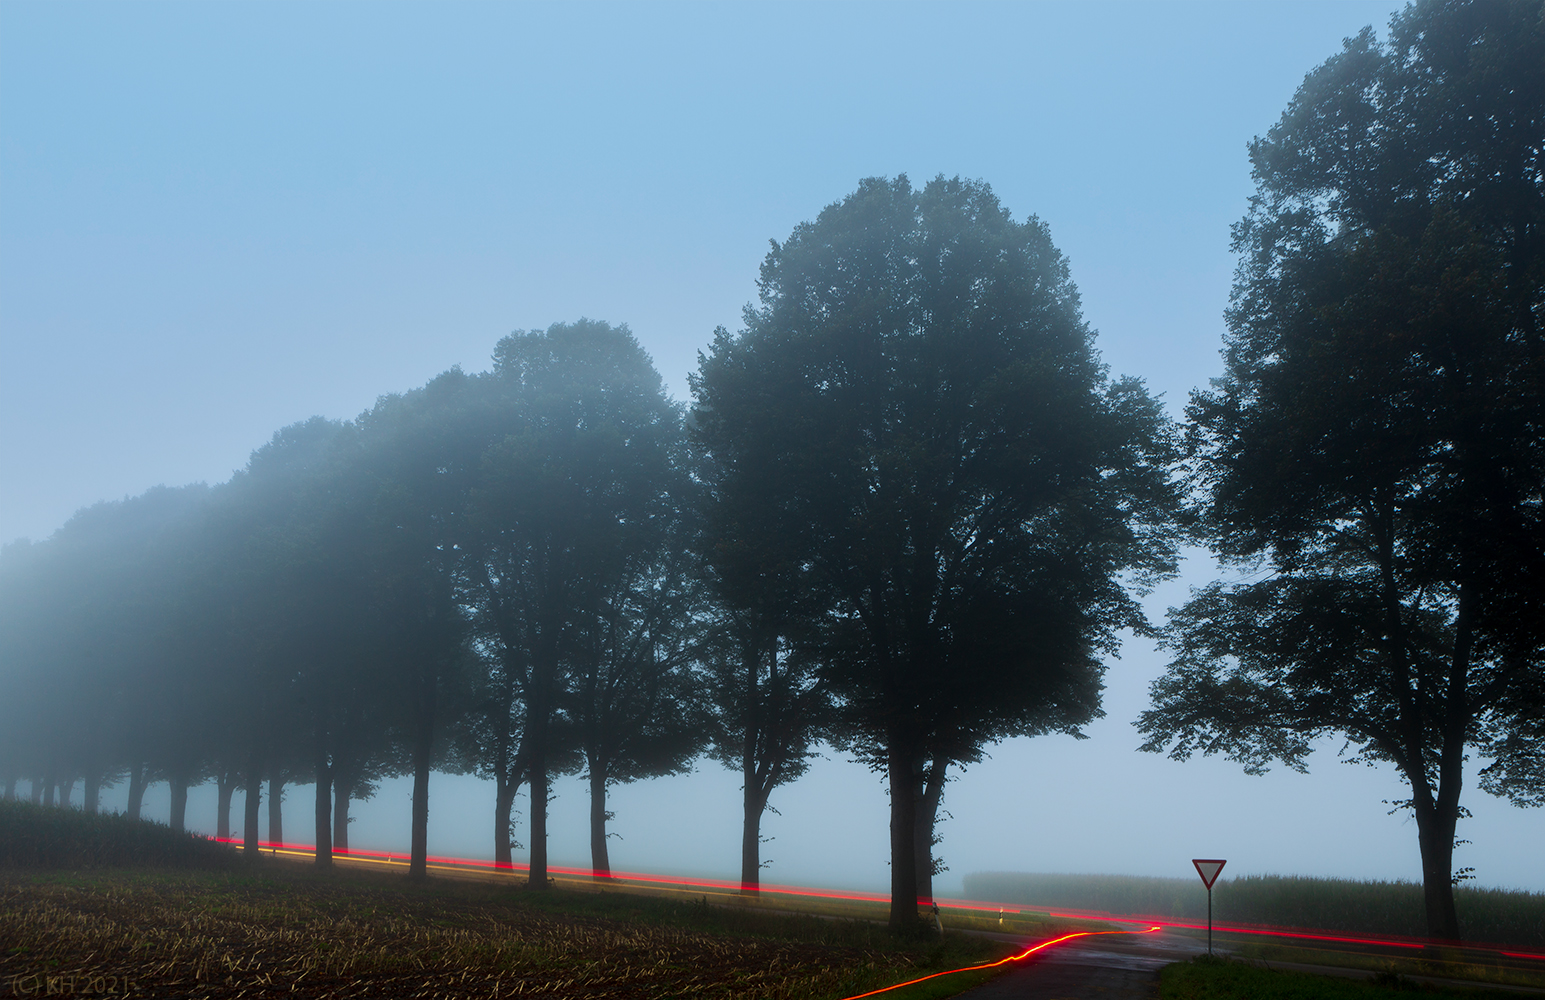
488,735
915,426
29,618
109,680
768,710
286,593
264,620
633,696
1378,439
420,452
361,749
563,501
768,707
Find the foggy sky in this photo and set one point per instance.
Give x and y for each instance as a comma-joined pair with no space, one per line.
218,220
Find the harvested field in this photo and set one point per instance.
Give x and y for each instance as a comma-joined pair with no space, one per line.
276,928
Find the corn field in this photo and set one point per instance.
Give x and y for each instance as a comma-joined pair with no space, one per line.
289,930
1492,916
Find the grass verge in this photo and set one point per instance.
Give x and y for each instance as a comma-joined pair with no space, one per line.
1221,979
40,837
1447,963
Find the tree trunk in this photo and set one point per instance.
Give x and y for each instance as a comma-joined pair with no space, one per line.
1436,819
536,872
322,769
227,786
1436,837
505,787
276,807
535,749
10,789
343,790
92,793
65,791
1436,816
48,792
600,859
324,807
179,783
423,749
900,766
931,794
506,777
136,789
36,788
254,797
753,796
753,803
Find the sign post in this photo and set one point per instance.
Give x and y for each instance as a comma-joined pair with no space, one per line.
1208,869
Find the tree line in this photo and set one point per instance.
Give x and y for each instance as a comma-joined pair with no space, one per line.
907,512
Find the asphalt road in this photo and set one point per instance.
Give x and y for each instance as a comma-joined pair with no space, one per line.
1126,967
1107,967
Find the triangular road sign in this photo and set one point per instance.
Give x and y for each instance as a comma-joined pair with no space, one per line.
1208,869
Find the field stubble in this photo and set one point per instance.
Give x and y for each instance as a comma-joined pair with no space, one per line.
274,929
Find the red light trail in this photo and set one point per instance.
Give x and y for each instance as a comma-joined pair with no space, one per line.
682,884
1002,961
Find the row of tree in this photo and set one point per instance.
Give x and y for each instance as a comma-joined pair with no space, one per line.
496,573
1375,451
895,519
906,513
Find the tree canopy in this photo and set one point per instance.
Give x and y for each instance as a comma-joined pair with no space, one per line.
1377,439
919,455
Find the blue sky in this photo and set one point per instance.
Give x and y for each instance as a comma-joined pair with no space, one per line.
216,220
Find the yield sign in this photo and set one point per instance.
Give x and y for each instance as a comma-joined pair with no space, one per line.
1208,870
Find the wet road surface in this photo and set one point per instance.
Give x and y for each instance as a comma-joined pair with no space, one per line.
1106,967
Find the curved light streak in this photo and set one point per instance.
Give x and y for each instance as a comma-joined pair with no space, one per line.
1002,961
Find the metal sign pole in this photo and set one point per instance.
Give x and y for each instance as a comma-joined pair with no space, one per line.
1208,869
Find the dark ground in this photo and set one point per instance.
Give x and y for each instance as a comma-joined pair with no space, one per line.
1115,967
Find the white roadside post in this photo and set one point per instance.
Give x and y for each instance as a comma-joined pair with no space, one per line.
1208,869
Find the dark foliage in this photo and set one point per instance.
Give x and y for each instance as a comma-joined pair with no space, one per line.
1376,448
921,473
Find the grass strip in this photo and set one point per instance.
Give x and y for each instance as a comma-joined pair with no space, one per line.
1480,967
34,836
1221,979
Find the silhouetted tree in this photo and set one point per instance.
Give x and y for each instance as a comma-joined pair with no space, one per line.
283,597
29,619
422,450
361,749
489,735
915,425
109,682
633,696
566,502
1377,439
767,711
766,703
